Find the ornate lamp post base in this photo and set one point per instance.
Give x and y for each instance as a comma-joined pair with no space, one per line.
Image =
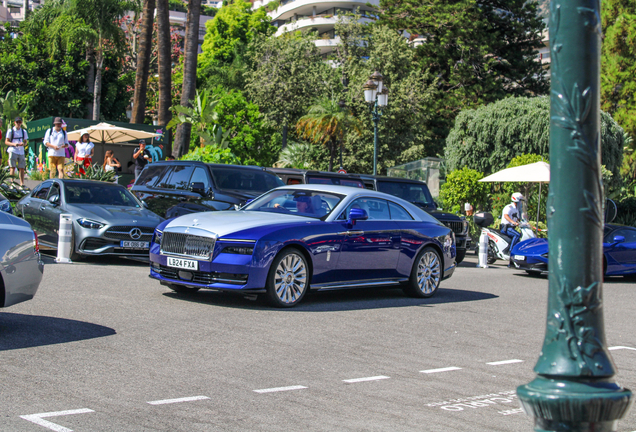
593,405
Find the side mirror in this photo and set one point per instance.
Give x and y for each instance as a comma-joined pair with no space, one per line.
144,204
54,200
619,239
356,214
198,187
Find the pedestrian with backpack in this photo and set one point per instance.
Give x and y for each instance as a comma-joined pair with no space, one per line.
57,142
17,139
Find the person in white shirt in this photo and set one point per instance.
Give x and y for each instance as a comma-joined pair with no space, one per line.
57,142
510,219
17,138
84,150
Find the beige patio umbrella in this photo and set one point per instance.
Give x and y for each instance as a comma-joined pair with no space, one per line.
108,133
538,172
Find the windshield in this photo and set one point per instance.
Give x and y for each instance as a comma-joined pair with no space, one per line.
100,194
249,180
416,193
299,202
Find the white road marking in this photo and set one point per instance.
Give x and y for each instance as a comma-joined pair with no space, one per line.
446,369
183,399
280,389
375,378
621,347
503,362
38,418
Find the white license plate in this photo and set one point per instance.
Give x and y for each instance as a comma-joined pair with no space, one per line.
183,264
520,257
134,244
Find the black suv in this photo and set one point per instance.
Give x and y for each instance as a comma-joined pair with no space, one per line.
417,192
291,176
175,188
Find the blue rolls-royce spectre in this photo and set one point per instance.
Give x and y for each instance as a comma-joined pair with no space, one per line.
296,238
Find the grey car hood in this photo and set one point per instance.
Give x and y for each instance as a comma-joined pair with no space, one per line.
114,215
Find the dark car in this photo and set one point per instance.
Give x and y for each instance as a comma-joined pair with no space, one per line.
176,188
292,176
417,192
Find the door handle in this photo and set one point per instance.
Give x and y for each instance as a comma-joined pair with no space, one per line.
42,208
26,205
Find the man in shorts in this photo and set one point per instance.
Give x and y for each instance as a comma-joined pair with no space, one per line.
16,140
57,142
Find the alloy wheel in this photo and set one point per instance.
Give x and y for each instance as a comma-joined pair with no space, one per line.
428,272
290,279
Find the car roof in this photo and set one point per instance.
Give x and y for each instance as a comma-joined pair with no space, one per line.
213,165
304,171
343,190
85,181
387,178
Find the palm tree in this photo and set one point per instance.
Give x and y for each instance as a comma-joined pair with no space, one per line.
201,116
182,140
326,123
296,155
165,64
143,63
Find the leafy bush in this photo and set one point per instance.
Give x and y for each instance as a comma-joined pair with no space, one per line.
626,212
212,154
11,190
93,172
463,186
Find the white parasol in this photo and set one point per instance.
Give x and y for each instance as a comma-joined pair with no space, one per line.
108,133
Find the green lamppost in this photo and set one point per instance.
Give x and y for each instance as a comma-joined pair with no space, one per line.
377,96
574,389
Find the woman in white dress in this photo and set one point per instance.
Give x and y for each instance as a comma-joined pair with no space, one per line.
84,150
111,162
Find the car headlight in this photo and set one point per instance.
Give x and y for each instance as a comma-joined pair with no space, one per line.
157,237
5,206
240,250
87,223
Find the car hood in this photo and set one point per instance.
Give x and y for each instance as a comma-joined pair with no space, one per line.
443,215
536,246
115,215
227,222
6,218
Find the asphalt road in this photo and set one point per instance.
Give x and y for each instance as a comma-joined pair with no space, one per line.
104,348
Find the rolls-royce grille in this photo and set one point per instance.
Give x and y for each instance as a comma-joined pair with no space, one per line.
457,227
124,233
187,245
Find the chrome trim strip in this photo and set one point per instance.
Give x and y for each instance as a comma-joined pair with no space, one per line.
236,240
358,284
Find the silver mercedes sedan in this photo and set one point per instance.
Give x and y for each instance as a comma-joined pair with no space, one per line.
107,219
21,268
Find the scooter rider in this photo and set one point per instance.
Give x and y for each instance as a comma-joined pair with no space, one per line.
510,219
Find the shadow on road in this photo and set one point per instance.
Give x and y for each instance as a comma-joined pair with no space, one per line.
342,300
26,331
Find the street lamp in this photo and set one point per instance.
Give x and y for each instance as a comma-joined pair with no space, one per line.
377,96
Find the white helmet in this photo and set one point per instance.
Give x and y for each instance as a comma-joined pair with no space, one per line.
516,197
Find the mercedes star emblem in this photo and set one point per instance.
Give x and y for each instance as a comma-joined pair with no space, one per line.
135,233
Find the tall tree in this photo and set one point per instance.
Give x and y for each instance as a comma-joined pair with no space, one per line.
143,62
164,49
182,140
286,75
618,62
488,138
327,123
480,51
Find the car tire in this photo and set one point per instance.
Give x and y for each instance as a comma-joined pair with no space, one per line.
461,254
426,274
182,289
74,256
533,273
288,279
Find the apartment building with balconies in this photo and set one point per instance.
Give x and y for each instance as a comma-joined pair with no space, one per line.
317,15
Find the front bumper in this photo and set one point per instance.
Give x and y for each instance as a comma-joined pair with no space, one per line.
531,264
462,242
226,272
